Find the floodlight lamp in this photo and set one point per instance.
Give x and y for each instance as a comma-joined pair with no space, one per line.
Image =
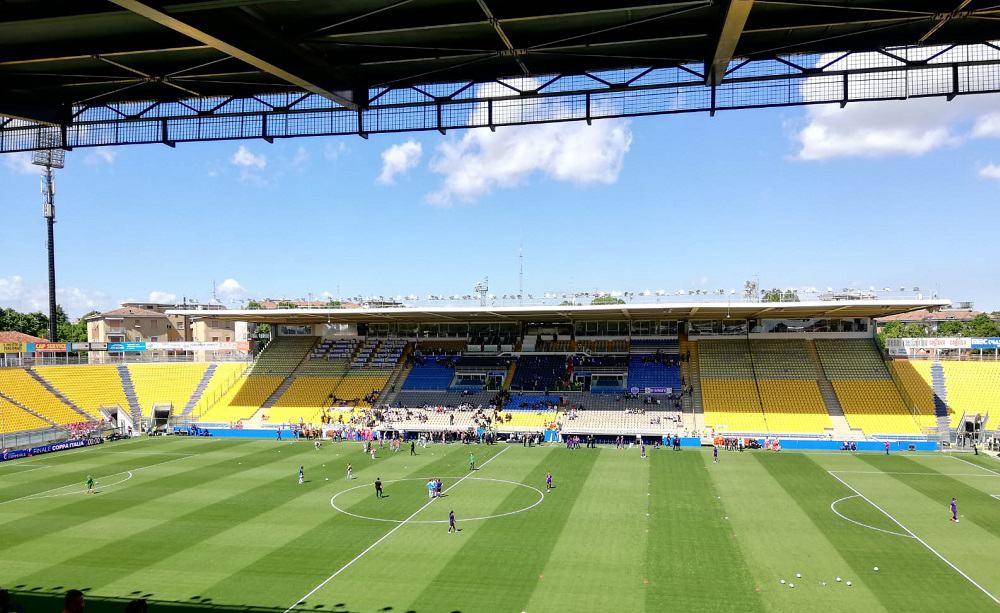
49,153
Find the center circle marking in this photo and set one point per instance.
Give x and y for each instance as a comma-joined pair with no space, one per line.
541,497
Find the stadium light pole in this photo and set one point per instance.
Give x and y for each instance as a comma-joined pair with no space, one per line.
49,157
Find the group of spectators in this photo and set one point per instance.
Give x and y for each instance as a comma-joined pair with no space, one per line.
73,602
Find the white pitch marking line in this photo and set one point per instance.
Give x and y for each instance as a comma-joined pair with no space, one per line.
44,493
886,472
833,507
387,535
919,540
989,470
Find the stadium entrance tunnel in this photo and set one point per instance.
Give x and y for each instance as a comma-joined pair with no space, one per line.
475,499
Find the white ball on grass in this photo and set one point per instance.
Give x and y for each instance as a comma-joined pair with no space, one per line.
798,575
848,584
838,579
791,585
782,582
875,569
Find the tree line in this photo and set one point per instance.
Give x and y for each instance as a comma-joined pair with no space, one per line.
37,324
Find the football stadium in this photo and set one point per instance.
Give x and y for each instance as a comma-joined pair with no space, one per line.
699,450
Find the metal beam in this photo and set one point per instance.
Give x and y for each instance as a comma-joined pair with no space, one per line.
29,109
729,36
943,19
256,47
503,35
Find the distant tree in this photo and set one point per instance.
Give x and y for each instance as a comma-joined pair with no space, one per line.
284,304
607,300
779,295
333,304
913,330
982,326
566,303
951,328
254,305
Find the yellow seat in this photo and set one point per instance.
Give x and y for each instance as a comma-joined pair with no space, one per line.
17,384
973,387
89,387
15,419
172,384
875,407
732,405
794,406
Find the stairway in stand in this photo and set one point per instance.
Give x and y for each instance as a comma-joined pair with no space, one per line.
199,390
28,410
34,375
697,408
130,395
841,429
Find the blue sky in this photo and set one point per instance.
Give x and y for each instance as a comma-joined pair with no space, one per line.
883,194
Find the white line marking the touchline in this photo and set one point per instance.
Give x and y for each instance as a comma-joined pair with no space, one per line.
989,470
387,535
919,540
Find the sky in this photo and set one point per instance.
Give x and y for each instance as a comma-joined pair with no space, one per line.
903,193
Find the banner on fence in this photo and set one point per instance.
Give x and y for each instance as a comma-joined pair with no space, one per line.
928,343
12,347
51,347
123,347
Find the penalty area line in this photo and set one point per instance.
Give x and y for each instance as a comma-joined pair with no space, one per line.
323,583
918,539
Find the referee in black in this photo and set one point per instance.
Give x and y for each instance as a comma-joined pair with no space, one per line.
378,487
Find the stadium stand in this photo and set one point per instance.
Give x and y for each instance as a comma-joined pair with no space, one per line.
305,392
973,388
19,386
654,363
88,387
915,379
621,422
430,373
15,419
531,402
865,388
172,384
539,372
729,393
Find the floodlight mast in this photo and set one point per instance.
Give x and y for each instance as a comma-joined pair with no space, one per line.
50,157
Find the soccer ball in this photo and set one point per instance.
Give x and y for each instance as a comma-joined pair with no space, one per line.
791,585
782,582
875,569
848,584
798,575
838,579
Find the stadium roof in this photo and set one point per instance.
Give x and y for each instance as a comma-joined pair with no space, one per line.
663,311
66,62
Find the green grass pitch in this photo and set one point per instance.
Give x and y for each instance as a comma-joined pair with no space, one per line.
222,524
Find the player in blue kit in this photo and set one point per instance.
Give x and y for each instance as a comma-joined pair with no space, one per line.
451,522
548,482
954,510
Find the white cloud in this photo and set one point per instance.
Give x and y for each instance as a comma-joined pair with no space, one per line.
231,288
897,127
300,158
481,161
990,171
987,126
399,159
16,294
20,164
100,155
332,151
250,164
245,158
164,297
